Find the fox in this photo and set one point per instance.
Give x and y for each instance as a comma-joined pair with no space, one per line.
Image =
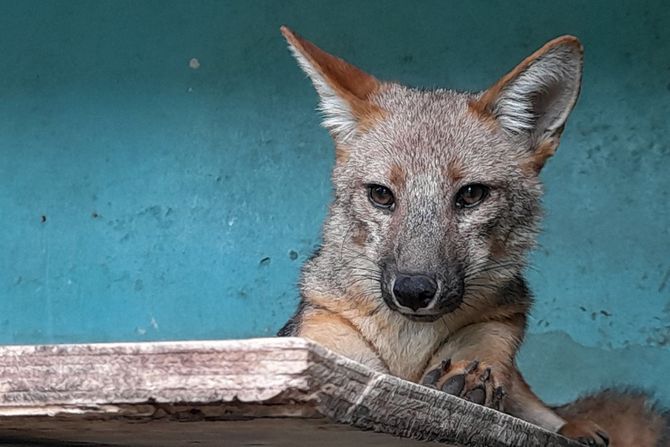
420,272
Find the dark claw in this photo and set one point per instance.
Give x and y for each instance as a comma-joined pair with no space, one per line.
434,375
445,365
454,385
478,396
485,375
498,395
472,366
604,437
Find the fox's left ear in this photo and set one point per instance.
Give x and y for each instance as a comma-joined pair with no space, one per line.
535,99
345,90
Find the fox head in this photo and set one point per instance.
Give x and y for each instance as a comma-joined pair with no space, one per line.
437,195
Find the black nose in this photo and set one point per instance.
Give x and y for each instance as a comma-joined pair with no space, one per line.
414,291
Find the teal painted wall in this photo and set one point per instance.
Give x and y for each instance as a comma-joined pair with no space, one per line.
145,199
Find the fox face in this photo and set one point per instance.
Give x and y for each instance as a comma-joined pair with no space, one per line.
439,201
437,196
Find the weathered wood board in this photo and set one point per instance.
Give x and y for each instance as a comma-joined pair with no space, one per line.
270,392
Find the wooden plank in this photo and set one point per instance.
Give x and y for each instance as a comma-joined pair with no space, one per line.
278,391
165,433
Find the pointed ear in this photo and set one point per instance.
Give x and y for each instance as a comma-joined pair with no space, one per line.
344,89
535,99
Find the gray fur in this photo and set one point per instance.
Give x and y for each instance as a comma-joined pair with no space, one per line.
474,253
426,132
425,146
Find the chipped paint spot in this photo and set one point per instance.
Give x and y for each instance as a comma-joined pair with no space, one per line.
194,63
664,281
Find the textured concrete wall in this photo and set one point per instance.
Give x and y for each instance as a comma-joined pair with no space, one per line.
163,174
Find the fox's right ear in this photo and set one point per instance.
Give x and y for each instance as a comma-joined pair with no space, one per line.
345,90
535,98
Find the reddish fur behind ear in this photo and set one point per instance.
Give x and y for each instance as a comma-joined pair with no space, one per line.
349,83
533,100
484,105
348,80
540,155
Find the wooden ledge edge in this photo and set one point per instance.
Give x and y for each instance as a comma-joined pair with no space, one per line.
297,375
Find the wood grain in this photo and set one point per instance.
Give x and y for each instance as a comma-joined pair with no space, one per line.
278,391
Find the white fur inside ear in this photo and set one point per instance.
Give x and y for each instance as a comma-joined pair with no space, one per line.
338,117
539,100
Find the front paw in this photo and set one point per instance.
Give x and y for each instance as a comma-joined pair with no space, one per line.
471,380
586,432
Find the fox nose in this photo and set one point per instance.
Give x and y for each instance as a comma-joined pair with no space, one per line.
414,291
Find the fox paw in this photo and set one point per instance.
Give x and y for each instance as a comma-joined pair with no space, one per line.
471,380
586,432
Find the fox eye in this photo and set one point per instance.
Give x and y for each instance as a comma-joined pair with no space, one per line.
471,195
381,197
